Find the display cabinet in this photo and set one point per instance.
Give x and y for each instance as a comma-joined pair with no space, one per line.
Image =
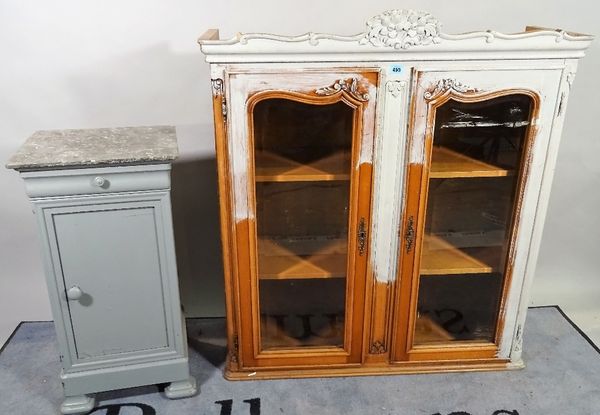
383,194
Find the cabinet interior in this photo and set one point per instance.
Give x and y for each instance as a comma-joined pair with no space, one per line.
476,161
302,164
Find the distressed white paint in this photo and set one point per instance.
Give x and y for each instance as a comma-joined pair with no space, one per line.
369,127
543,82
510,77
237,143
241,86
417,36
542,61
389,170
518,311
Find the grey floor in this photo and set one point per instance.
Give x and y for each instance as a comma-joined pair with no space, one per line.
562,377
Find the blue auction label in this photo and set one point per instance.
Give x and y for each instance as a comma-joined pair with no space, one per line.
396,69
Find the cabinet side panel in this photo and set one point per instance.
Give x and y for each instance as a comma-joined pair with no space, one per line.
112,256
219,83
512,339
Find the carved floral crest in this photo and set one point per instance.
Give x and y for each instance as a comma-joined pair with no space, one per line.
350,86
444,85
402,29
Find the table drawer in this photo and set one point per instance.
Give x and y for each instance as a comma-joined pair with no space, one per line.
96,180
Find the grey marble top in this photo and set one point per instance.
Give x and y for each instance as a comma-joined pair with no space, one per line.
96,147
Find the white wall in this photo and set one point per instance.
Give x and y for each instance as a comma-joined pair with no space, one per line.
81,64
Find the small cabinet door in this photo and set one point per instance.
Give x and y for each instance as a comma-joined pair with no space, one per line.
111,269
476,158
300,148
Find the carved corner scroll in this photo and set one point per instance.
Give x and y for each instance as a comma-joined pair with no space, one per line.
217,86
402,29
219,91
445,85
349,86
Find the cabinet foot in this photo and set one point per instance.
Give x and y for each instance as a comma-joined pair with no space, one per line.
181,389
77,404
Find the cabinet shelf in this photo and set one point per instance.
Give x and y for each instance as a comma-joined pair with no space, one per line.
428,331
449,164
281,261
271,167
275,337
442,258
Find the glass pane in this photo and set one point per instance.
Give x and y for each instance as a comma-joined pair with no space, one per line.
475,167
460,310
302,172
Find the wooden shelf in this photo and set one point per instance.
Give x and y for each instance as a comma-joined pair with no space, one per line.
272,167
442,258
275,337
280,261
448,164
428,331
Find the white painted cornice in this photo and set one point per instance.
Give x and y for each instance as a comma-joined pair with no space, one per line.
395,35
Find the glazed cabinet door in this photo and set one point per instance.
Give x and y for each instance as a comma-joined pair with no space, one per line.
479,141
299,159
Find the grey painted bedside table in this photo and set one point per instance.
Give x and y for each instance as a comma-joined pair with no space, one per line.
103,210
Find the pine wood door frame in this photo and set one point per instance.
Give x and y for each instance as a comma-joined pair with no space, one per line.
318,88
430,98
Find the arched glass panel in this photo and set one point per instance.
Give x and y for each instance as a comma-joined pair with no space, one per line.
477,159
302,169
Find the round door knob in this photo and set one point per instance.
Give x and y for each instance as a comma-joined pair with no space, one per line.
74,293
99,181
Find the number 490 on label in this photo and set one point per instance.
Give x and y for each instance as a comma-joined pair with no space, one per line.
396,69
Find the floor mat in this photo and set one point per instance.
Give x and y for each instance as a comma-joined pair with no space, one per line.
562,377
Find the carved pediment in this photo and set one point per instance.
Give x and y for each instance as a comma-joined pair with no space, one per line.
402,29
397,31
